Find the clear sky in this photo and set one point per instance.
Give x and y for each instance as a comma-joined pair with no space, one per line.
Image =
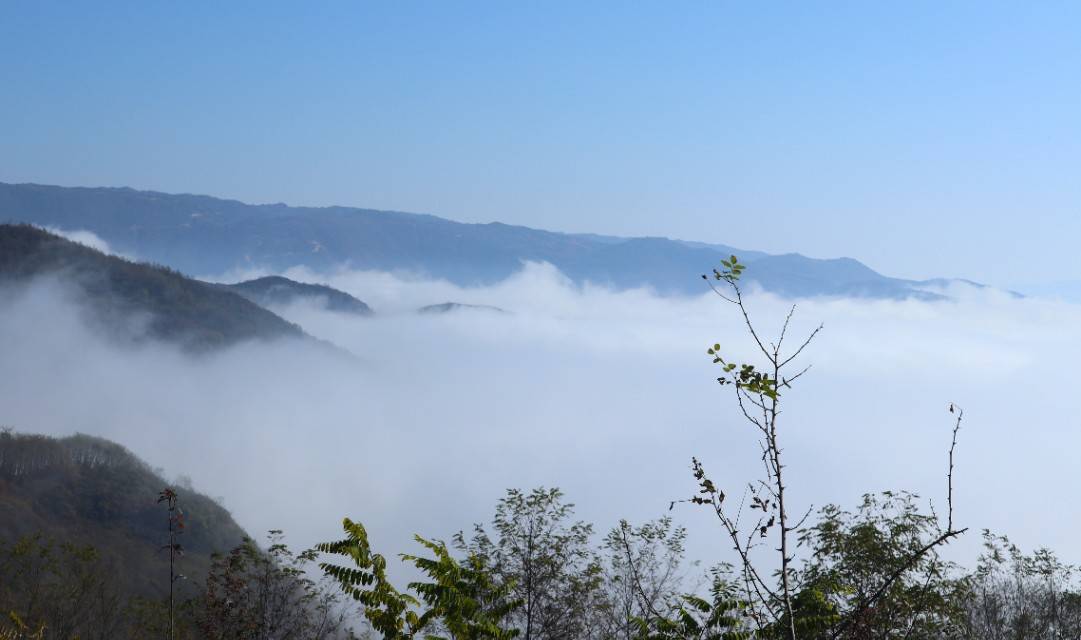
926,139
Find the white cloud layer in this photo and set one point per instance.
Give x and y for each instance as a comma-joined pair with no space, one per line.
87,239
606,394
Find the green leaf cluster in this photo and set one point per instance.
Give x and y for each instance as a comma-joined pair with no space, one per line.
459,602
744,376
697,618
731,271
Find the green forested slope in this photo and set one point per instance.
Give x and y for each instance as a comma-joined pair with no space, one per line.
90,491
134,301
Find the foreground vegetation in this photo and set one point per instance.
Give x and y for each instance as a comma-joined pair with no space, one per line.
536,572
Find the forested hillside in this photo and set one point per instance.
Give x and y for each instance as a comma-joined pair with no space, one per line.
86,530
118,294
90,491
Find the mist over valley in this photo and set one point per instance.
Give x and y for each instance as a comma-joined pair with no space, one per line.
539,321
606,393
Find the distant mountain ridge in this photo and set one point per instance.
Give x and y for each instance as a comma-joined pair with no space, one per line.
206,235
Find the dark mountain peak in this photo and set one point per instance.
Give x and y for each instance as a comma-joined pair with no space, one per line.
447,307
194,314
279,290
266,281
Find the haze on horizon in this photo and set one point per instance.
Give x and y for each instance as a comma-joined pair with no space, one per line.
924,140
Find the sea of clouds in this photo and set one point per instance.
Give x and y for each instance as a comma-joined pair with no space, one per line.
606,394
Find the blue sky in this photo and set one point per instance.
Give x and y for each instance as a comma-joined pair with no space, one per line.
926,139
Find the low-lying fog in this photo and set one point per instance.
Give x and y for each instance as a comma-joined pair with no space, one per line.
605,394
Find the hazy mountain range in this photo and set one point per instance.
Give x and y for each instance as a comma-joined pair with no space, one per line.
205,235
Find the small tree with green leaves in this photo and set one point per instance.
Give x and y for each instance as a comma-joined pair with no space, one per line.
763,518
847,583
546,560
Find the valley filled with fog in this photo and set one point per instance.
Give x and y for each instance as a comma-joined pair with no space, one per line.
418,320
606,394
